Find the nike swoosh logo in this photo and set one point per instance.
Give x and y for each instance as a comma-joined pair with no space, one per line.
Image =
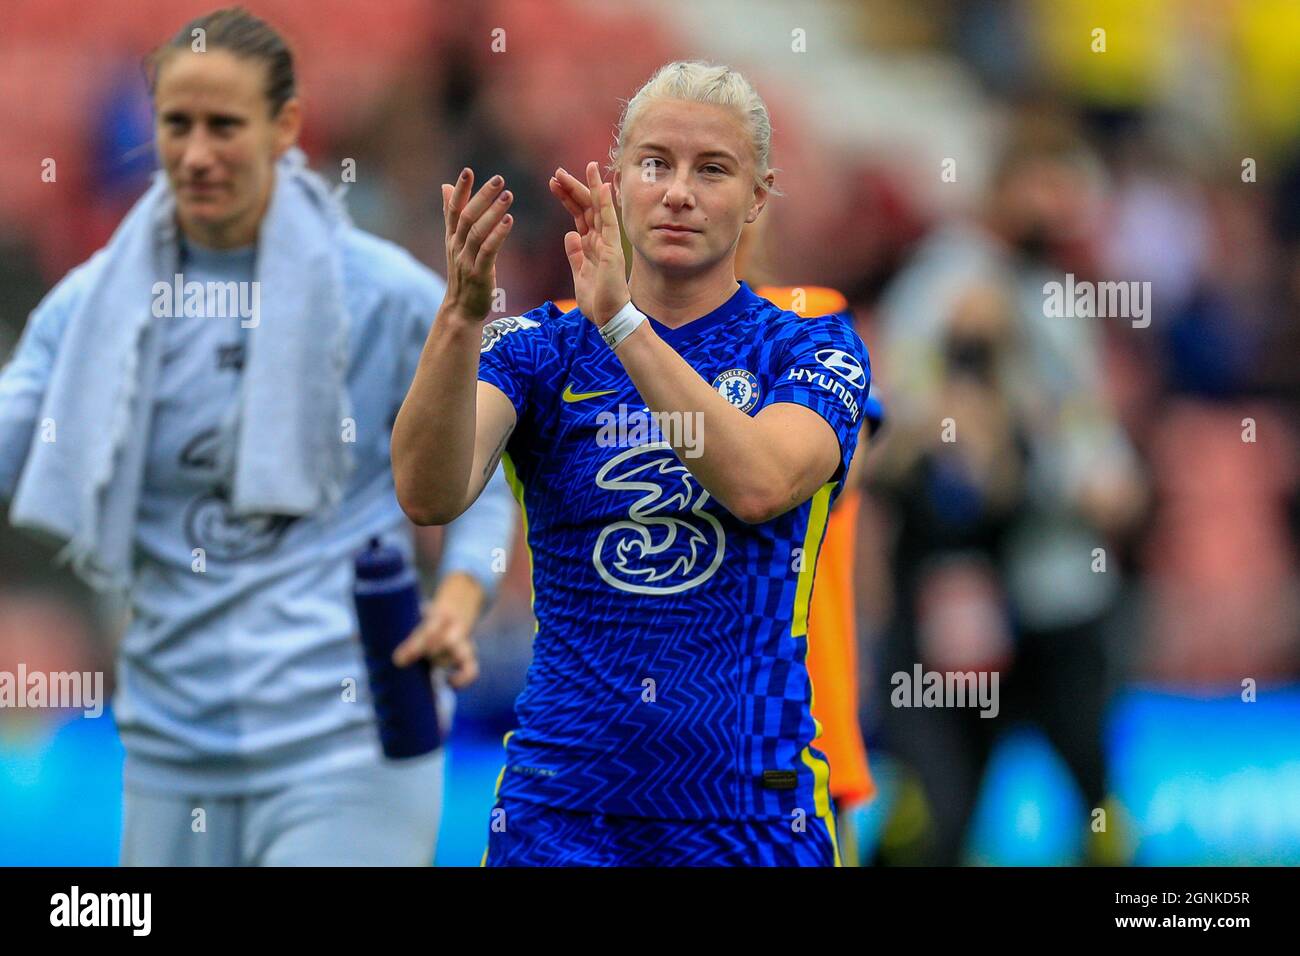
571,396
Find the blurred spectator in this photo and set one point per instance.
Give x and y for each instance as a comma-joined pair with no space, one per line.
954,505
1008,471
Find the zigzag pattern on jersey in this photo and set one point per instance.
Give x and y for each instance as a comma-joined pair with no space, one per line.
730,691
537,835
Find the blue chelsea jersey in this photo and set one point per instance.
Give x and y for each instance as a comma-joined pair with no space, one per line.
668,676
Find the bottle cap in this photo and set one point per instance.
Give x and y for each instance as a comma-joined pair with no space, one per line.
379,561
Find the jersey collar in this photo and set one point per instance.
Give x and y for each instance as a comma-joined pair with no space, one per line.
742,299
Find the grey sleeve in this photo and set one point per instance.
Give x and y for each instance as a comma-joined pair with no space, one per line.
479,541
23,382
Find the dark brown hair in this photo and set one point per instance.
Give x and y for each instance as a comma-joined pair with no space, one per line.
237,31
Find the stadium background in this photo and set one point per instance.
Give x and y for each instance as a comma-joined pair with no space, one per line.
886,91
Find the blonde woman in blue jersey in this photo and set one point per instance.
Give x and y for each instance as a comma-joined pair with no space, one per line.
675,442
222,469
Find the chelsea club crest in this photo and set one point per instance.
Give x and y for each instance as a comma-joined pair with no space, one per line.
738,386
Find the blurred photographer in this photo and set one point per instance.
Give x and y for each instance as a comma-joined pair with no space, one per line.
954,491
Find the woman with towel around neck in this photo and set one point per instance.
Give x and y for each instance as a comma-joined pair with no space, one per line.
222,466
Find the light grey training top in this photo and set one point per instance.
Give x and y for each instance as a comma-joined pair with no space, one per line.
247,674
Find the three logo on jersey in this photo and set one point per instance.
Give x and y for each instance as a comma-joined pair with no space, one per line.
667,542
210,520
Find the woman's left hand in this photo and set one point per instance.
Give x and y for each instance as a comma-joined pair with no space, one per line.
445,635
595,250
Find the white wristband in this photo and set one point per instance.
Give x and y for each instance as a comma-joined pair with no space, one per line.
624,322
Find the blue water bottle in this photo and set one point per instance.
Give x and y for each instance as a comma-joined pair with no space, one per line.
387,596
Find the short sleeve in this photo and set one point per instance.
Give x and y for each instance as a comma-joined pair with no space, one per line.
821,364
25,376
508,356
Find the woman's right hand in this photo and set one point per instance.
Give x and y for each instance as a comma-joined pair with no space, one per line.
476,229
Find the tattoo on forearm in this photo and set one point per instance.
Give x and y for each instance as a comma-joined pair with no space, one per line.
495,457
